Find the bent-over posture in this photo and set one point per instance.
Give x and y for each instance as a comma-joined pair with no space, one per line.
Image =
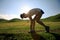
38,14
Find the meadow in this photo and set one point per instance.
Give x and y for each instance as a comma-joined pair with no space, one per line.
19,31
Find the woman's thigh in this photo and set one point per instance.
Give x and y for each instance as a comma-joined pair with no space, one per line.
37,16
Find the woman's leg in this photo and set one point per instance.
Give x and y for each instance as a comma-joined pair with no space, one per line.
37,18
32,25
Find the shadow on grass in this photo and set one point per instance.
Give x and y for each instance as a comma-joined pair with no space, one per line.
5,36
57,36
36,36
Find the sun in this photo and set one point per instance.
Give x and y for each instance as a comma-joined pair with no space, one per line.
25,9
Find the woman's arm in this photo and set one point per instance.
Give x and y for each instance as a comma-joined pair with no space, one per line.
30,18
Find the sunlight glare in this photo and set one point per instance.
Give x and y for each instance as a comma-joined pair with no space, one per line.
25,9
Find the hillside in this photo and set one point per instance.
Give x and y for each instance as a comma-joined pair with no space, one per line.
55,18
14,20
3,20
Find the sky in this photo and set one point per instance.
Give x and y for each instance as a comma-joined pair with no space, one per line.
13,8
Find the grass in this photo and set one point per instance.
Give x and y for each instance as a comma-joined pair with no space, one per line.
20,30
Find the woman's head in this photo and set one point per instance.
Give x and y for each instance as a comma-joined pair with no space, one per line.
23,15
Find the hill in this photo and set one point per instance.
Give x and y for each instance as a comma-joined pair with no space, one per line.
14,20
3,20
55,18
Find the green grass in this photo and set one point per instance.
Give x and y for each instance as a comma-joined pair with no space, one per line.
55,18
21,29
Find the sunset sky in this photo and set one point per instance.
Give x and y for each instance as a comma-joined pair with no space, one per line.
13,8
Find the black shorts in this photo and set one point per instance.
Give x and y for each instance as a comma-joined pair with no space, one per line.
42,11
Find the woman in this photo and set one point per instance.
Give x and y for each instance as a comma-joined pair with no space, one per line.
38,14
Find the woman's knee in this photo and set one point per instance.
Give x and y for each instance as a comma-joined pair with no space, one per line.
37,20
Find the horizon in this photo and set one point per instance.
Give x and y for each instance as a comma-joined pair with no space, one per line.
10,9
28,19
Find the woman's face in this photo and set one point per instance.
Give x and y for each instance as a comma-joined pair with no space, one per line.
24,16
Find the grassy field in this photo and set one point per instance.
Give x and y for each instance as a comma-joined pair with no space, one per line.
20,30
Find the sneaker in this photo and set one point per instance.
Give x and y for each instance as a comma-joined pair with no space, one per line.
47,29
